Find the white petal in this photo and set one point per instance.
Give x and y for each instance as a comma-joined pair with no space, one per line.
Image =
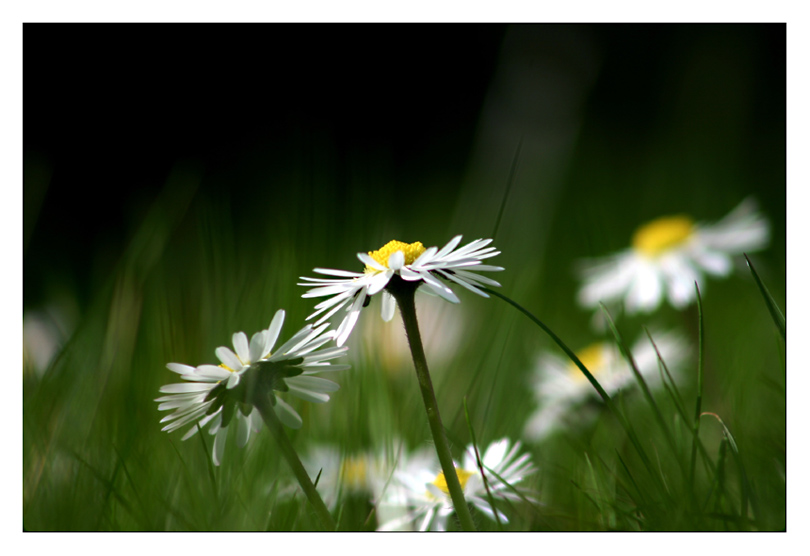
389,306
396,260
366,259
273,330
219,445
240,344
188,387
287,414
228,358
180,369
243,430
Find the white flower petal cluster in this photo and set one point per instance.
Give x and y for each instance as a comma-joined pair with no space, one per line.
194,402
350,290
560,387
668,256
424,489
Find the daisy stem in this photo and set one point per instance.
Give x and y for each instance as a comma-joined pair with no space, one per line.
407,307
262,403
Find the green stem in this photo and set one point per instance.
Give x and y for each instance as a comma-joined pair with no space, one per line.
404,294
262,403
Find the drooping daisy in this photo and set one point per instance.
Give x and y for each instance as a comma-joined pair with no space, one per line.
427,495
561,389
211,397
398,260
667,256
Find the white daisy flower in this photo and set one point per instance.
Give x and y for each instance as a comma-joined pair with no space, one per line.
668,256
397,260
560,388
427,495
362,473
210,396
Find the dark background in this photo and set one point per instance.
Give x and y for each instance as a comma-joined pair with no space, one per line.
109,109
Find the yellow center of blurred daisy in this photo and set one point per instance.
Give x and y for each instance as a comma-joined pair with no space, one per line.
658,236
462,475
592,357
410,250
353,472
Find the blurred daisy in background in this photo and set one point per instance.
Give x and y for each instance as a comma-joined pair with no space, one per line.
561,389
211,397
363,474
441,326
397,260
667,256
427,498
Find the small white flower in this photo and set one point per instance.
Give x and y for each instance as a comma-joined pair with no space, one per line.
362,473
427,495
560,387
668,256
197,402
410,262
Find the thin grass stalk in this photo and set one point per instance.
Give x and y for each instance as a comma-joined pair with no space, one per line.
699,398
640,379
262,403
481,466
773,308
407,307
601,391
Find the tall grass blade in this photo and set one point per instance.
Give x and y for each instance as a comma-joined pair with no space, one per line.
773,308
572,356
481,465
699,398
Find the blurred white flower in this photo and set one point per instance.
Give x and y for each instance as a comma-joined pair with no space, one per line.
427,497
207,399
410,262
560,388
361,473
668,256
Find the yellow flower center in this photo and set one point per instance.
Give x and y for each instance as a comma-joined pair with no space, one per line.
658,236
353,472
462,475
411,252
592,357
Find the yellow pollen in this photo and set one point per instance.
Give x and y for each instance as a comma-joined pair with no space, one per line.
462,475
592,357
656,237
353,472
411,252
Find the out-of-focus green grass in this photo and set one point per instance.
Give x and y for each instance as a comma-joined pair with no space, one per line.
220,253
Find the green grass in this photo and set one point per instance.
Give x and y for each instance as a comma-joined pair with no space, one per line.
192,274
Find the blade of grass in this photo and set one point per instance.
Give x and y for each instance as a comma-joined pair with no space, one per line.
745,486
699,397
773,308
601,391
642,383
481,466
509,182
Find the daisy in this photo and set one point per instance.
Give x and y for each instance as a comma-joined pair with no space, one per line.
359,474
561,389
667,256
397,260
211,397
427,496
